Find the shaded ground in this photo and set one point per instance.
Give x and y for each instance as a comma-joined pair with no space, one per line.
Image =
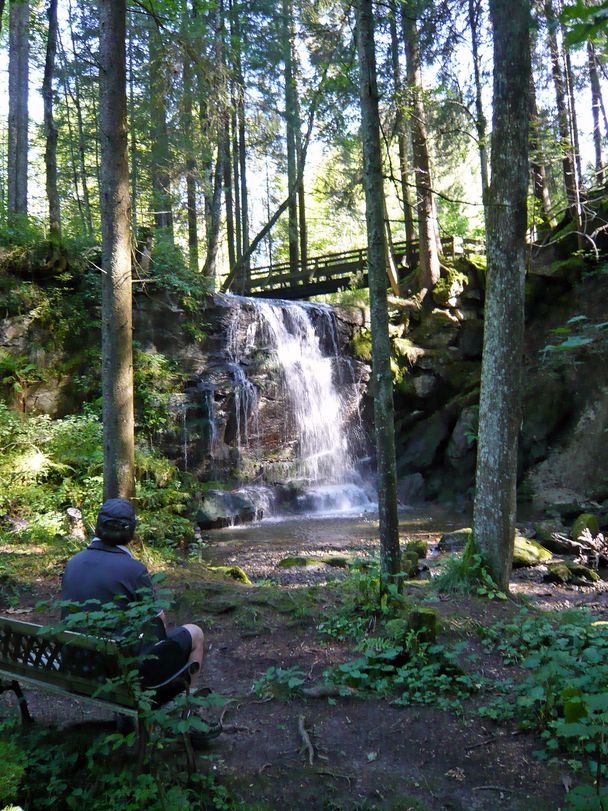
366,753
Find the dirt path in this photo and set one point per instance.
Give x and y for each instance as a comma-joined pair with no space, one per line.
364,753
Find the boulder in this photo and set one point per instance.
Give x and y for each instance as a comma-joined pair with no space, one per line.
221,508
410,489
527,552
460,450
470,339
454,541
421,443
585,521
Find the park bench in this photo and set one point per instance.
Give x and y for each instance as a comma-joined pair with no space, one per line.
84,667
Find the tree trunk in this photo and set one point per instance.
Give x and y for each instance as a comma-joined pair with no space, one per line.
428,228
188,122
596,106
50,153
81,138
71,137
18,78
230,237
569,76
160,160
563,122
290,132
402,138
390,557
133,136
117,349
506,218
241,132
537,166
480,116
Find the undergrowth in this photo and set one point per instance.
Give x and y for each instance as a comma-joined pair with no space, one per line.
564,693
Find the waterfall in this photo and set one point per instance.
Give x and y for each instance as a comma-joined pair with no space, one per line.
320,425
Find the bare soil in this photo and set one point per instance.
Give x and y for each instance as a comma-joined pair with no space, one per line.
364,753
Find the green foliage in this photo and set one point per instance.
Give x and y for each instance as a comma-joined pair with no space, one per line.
155,379
467,574
563,695
585,22
412,672
364,600
278,682
49,465
578,332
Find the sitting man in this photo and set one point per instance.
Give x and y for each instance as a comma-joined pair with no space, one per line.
107,572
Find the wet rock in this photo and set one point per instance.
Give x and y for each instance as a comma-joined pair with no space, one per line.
423,441
410,489
220,508
470,339
585,521
527,552
454,541
460,450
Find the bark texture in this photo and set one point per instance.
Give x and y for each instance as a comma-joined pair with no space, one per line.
376,247
499,413
18,77
428,228
50,153
117,349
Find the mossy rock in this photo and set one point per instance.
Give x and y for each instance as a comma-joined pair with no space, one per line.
362,345
234,572
405,348
583,572
527,552
409,563
338,561
418,545
558,573
585,521
568,572
454,541
449,287
423,622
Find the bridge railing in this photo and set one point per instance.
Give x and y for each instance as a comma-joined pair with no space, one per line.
344,264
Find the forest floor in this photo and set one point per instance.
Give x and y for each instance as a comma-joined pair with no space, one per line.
361,752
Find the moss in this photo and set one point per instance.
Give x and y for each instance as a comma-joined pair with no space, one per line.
527,552
558,573
234,572
362,344
583,522
451,284
405,348
301,560
423,622
583,572
418,545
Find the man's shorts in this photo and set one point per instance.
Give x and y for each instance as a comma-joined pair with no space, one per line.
165,658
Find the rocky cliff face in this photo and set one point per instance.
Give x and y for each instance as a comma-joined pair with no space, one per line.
564,435
235,417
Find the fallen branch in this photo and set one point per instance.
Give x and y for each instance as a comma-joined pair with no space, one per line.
337,775
493,788
306,742
326,691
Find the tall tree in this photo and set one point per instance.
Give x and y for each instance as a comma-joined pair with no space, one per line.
290,130
506,222
596,107
376,250
50,154
160,159
402,133
117,348
18,78
428,228
563,118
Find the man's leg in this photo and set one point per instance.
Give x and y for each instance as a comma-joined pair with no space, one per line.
197,650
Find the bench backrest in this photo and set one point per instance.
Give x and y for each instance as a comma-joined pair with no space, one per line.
64,660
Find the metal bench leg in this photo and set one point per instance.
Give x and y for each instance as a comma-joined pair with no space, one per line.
142,742
26,718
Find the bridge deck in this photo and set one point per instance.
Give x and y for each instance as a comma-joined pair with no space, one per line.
333,271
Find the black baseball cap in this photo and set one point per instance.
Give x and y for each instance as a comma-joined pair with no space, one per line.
116,521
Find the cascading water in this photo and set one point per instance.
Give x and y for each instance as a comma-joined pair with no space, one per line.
319,423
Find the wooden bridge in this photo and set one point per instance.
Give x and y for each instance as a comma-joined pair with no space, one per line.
334,271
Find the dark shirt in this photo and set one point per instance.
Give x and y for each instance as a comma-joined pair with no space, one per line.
106,574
